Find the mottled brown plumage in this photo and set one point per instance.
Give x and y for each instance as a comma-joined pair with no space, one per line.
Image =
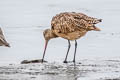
70,26
3,42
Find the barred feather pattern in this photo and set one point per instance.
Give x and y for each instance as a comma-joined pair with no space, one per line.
68,22
90,20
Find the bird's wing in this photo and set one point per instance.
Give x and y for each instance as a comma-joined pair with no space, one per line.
68,24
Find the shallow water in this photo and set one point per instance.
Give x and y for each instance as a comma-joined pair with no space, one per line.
88,70
23,23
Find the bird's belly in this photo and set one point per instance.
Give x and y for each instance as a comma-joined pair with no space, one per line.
72,35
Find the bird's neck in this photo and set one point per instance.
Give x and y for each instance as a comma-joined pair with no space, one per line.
52,35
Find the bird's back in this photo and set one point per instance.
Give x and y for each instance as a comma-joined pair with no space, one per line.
70,22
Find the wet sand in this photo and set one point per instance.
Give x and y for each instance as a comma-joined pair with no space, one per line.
87,70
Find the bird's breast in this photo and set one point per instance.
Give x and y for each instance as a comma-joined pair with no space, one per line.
73,35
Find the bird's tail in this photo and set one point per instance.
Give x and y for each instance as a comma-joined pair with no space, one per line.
95,21
90,20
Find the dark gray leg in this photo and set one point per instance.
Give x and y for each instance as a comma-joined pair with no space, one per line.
65,61
75,51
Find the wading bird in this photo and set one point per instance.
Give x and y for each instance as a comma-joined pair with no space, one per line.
70,26
3,42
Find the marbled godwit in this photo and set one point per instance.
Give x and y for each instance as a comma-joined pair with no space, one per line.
3,42
70,26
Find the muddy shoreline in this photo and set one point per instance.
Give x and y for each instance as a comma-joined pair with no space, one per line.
88,70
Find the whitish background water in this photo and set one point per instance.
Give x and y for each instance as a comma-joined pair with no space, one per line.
23,23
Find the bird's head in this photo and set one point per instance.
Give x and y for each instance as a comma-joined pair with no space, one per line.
48,34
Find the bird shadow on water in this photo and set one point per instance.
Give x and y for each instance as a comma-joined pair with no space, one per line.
74,72
64,72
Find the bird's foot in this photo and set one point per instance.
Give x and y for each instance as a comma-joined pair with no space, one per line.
65,62
43,61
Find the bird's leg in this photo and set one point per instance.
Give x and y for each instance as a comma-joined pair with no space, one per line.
65,61
75,51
